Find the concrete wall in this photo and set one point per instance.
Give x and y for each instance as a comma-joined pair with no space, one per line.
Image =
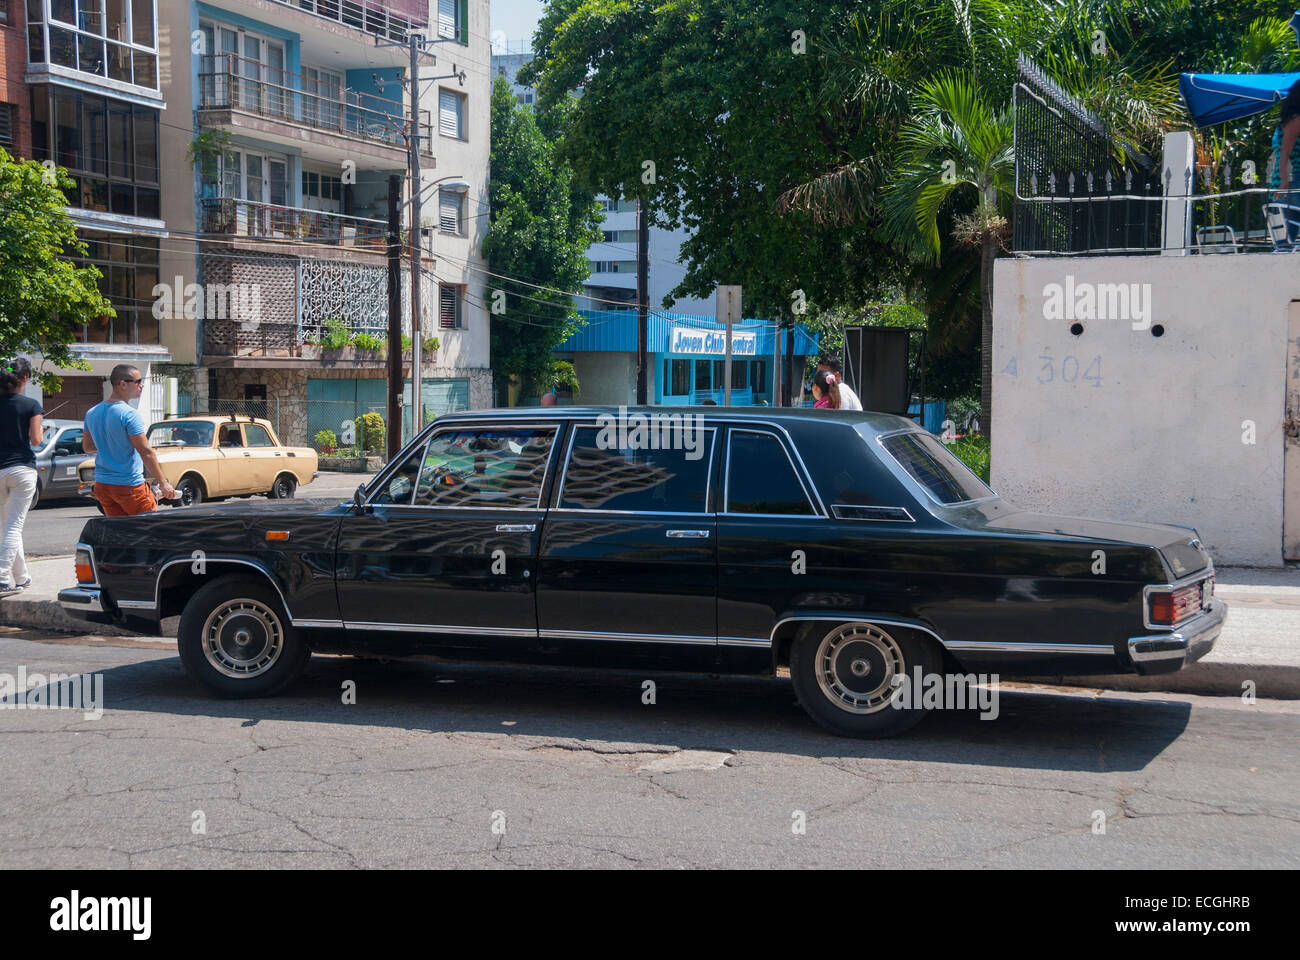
607,377
1120,424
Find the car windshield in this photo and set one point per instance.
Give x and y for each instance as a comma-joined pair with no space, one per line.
181,433
933,466
47,435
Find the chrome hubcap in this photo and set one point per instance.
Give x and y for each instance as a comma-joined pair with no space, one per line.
242,638
856,664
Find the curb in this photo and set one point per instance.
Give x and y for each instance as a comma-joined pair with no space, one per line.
1214,679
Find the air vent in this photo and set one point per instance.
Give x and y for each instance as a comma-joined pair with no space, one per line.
846,511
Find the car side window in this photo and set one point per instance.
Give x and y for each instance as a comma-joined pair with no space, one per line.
229,435
601,475
760,477
485,467
400,486
70,440
255,435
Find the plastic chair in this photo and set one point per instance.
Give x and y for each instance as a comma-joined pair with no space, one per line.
1217,239
1283,221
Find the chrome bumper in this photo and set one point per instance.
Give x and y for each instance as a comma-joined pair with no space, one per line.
1167,652
80,601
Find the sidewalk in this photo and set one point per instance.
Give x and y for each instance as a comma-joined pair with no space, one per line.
1260,643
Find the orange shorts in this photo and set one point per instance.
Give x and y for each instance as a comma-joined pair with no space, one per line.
119,500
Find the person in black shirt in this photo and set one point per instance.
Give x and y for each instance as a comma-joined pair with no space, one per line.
20,430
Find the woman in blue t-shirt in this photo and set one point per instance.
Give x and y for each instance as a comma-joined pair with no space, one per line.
20,430
1286,144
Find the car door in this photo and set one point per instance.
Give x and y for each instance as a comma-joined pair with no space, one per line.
448,548
628,555
769,523
265,458
66,455
234,462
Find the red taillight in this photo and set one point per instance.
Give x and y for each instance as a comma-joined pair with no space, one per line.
1170,608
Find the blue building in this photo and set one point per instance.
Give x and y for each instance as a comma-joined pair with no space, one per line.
686,355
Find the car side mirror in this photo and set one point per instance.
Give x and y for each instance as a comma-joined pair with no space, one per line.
62,452
359,500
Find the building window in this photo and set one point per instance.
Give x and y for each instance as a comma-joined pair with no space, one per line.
679,378
109,147
8,123
613,266
451,212
449,19
450,307
619,236
758,375
129,268
107,38
451,114
4,12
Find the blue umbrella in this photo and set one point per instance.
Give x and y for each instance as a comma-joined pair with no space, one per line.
1218,97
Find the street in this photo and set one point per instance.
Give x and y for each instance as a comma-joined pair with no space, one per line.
53,528
475,766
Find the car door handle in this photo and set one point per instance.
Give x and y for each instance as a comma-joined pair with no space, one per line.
247,454
689,534
516,527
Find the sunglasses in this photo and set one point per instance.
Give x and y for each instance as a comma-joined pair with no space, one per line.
140,380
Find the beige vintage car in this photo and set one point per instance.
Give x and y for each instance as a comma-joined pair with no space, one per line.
211,458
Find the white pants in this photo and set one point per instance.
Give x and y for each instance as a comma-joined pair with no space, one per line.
17,487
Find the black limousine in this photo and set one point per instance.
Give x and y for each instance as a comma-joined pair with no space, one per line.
851,548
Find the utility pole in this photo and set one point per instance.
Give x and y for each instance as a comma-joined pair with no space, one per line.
776,363
727,310
787,388
417,241
394,404
642,298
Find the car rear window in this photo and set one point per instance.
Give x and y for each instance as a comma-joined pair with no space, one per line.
933,466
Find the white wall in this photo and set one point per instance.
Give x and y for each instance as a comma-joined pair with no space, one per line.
1155,432
608,377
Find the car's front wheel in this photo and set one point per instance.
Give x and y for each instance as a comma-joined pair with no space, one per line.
848,676
236,641
284,488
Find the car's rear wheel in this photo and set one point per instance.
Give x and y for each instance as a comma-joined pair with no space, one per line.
189,491
847,676
285,487
235,639
36,498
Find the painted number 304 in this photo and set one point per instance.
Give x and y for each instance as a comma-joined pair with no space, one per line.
1066,370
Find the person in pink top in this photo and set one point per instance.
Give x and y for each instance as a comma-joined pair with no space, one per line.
826,390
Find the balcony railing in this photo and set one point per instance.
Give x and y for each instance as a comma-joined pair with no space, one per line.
391,19
231,82
250,218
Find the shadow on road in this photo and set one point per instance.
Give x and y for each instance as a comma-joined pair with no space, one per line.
1032,731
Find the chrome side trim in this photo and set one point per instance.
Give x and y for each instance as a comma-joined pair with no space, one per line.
625,637
137,605
743,642
1011,646
327,624
849,511
846,618
687,534
439,628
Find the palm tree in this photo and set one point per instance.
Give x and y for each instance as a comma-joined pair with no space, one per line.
955,147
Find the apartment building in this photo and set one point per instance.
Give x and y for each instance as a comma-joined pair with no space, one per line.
301,114
87,91
231,163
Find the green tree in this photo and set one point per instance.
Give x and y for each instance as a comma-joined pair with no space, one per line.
541,225
45,298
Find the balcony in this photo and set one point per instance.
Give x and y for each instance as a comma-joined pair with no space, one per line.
254,220
391,19
230,84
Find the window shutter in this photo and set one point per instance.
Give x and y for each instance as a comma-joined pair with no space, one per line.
449,211
7,124
449,113
447,19
448,307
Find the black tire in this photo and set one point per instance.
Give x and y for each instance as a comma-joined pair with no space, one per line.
824,663
190,491
36,498
285,486
100,507
236,641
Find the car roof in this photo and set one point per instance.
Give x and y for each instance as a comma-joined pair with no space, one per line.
792,418
209,418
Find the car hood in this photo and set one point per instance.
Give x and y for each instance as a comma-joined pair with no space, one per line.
1181,549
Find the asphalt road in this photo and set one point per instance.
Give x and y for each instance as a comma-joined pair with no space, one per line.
54,527
437,765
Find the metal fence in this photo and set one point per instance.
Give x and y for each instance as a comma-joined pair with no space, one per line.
1078,189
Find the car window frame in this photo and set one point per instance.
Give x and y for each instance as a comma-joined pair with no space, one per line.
371,496
186,420
805,483
259,446
709,506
